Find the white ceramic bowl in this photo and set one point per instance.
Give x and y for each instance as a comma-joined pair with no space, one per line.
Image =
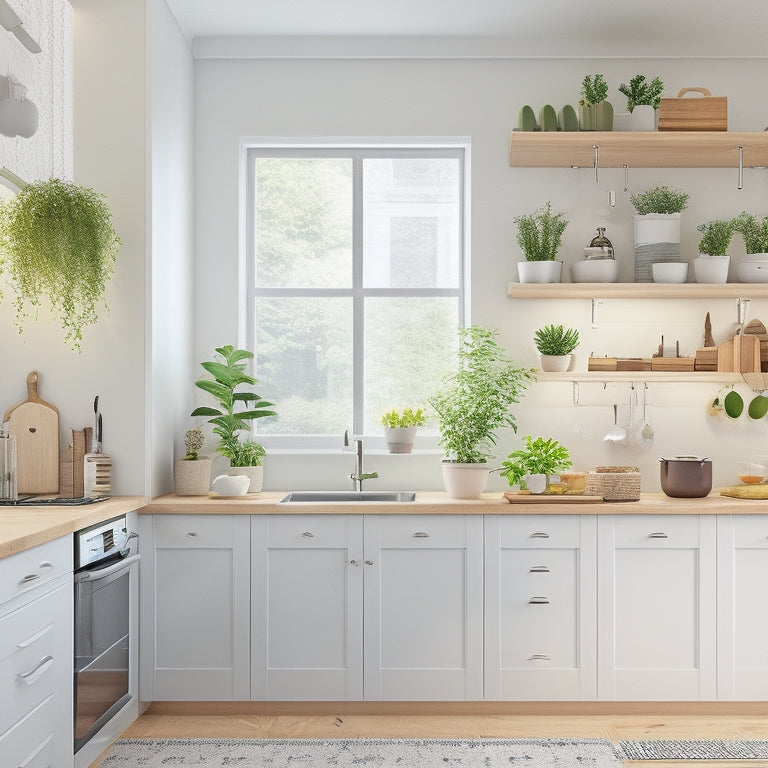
711,269
670,271
751,271
595,271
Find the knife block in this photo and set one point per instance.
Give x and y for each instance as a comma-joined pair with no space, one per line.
97,475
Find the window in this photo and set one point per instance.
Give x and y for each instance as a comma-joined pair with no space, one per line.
354,273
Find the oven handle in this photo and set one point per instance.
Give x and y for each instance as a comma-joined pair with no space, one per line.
103,573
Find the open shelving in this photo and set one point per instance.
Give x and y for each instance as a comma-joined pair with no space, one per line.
637,290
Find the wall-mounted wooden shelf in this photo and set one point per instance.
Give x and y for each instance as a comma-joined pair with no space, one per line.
637,291
655,149
637,376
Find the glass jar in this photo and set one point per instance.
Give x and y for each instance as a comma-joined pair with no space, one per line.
600,247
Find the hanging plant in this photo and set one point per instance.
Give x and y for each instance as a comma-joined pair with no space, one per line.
57,240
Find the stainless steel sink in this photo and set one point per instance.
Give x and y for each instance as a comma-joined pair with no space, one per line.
348,496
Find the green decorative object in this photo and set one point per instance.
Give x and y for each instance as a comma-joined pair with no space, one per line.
753,230
548,118
540,234
538,457
660,200
556,340
526,119
569,120
596,114
716,237
641,92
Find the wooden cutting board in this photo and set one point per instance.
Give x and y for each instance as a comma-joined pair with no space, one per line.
35,425
550,498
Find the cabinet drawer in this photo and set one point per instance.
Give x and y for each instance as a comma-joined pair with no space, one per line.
540,531
656,531
32,741
34,644
27,570
422,531
311,531
194,531
750,531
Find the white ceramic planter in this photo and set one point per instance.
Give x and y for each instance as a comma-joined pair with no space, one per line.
539,271
536,483
595,271
400,439
643,118
555,363
670,271
711,269
657,239
192,478
255,475
464,481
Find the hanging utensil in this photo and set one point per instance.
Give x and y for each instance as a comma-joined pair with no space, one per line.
616,434
644,435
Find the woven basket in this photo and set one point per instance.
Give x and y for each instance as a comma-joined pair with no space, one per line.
614,483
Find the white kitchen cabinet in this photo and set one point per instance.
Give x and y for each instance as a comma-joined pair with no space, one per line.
195,631
36,656
742,607
657,607
540,607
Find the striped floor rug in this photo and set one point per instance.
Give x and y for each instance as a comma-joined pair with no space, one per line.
694,750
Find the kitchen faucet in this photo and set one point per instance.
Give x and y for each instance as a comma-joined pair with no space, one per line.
358,475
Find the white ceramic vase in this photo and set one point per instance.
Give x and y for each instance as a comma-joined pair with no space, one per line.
464,481
555,363
711,269
255,475
536,483
657,239
539,271
643,118
400,439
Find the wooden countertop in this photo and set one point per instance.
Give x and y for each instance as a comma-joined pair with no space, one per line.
27,526
438,503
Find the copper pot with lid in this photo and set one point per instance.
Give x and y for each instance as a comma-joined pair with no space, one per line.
686,477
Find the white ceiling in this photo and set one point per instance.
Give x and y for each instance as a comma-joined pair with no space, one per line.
711,28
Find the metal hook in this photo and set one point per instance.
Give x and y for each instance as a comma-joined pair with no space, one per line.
626,177
575,392
741,168
597,160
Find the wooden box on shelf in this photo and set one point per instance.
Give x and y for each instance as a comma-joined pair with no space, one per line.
672,364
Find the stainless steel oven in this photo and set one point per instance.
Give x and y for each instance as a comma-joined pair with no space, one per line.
103,559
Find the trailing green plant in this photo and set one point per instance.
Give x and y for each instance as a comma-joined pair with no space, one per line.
594,89
660,200
408,418
753,230
556,340
474,401
716,237
229,373
193,442
640,91
538,457
57,240
540,234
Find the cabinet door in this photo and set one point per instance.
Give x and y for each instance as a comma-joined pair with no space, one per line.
742,601
195,629
306,607
656,604
423,607
540,607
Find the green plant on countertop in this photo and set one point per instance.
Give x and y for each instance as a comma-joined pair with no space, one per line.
193,442
408,418
556,340
660,200
753,230
474,401
540,234
229,373
538,457
594,89
640,91
716,237
57,241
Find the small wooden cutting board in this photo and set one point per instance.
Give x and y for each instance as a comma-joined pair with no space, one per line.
35,425
551,498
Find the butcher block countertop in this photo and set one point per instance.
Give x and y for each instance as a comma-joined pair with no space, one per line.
438,503
26,526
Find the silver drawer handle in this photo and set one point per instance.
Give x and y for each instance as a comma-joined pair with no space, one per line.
191,534
369,562
29,577
539,657
539,601
26,643
35,674
539,535
658,535
539,569
307,535
355,563
30,759
421,535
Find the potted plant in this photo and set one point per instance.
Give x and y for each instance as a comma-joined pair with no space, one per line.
657,228
530,467
540,235
192,474
595,112
711,265
555,345
237,409
400,429
754,232
57,241
643,99
472,405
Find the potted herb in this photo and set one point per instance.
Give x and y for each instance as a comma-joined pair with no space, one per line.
237,409
57,241
754,231
595,112
555,345
643,99
473,403
400,429
192,474
540,235
711,265
530,466
657,228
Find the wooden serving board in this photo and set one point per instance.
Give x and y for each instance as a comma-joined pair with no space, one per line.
35,425
550,498
703,113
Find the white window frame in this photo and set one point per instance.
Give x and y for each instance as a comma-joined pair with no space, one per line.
357,150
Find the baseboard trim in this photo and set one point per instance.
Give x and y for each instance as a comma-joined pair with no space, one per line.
225,708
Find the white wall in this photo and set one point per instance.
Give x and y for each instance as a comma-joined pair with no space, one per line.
481,98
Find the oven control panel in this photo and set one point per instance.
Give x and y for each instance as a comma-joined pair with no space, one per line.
100,541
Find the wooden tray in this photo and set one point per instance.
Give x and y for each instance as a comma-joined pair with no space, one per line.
550,498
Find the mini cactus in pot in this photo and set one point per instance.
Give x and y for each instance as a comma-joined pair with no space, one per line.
192,474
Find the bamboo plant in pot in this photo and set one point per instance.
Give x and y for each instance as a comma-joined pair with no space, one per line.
711,265
228,371
473,403
555,345
531,466
192,474
400,429
540,235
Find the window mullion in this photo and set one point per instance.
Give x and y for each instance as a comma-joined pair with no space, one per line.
358,308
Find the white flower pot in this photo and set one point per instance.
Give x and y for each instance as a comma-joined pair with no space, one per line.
595,271
539,271
536,483
255,475
192,478
643,118
231,485
464,481
657,239
400,439
555,362
711,269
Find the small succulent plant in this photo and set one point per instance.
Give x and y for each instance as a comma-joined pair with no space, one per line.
193,442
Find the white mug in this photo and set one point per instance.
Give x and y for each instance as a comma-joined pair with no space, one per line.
231,485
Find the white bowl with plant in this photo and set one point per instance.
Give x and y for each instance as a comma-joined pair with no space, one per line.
400,429
755,234
711,265
540,235
555,344
643,99
531,466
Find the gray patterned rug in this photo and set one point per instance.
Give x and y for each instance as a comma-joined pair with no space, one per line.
362,753
694,749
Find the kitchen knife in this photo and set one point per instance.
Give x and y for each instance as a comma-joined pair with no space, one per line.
10,20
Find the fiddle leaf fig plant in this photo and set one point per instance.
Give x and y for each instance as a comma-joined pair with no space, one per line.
57,241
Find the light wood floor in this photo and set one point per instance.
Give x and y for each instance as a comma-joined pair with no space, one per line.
611,727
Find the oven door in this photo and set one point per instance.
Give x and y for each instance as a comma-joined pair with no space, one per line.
101,645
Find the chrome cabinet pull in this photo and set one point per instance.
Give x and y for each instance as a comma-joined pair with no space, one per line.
307,535
539,657
31,677
421,535
29,577
658,535
369,562
539,601
191,534
355,563
539,535
30,758
34,638
539,569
